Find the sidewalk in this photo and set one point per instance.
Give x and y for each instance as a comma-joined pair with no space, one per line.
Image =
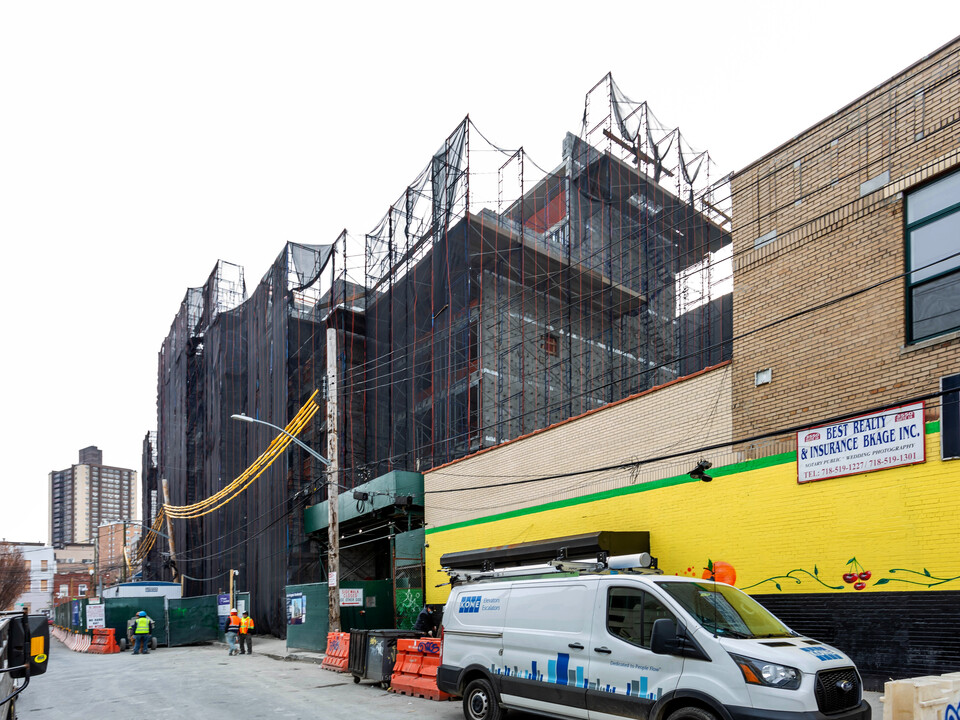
277,649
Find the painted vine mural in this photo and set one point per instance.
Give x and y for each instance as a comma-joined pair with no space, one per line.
856,577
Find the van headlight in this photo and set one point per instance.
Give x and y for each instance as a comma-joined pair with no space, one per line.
758,672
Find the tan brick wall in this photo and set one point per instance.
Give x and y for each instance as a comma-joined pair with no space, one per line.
830,241
689,413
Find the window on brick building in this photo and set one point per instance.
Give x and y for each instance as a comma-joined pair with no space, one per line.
933,258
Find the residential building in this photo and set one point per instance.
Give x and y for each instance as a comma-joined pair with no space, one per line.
74,571
116,542
86,494
37,595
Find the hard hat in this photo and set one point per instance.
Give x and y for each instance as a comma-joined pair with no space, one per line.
233,610
142,613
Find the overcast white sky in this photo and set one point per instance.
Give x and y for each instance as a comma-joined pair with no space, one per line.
141,142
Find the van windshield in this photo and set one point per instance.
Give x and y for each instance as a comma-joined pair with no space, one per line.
726,611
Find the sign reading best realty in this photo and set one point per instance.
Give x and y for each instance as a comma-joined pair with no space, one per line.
879,441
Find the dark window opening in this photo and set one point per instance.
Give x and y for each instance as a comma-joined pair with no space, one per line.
933,259
551,345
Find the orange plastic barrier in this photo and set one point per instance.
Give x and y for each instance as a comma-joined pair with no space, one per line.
415,670
104,642
338,652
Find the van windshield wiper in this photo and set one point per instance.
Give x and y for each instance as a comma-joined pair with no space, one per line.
727,632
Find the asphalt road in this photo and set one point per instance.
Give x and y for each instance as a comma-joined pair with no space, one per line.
203,682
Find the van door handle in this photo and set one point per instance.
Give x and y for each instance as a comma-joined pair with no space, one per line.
575,646
604,650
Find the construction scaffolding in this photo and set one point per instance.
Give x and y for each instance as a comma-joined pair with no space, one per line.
493,299
502,298
150,501
261,356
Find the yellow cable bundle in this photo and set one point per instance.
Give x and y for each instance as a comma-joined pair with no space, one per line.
147,541
248,476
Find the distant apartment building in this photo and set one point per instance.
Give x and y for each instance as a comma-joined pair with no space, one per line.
73,576
112,539
87,494
38,591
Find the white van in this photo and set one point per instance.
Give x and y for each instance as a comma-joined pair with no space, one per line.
636,646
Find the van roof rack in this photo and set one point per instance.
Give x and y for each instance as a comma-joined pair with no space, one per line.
637,564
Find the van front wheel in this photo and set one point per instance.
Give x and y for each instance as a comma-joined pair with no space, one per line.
692,713
480,702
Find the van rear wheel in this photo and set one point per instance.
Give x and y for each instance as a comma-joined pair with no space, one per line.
480,702
692,713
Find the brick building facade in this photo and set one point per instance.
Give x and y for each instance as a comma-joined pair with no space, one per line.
819,232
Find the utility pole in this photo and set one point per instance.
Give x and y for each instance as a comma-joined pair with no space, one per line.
233,603
173,552
123,551
333,487
96,560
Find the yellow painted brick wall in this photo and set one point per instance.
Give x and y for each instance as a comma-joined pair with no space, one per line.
830,241
778,535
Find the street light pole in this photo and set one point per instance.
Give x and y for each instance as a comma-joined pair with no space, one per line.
314,453
333,530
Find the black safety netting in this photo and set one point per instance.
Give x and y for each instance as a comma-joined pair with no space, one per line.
494,298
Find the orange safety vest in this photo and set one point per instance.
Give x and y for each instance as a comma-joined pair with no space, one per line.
233,621
246,625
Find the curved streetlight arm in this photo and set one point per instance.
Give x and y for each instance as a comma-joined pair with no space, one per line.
149,528
314,453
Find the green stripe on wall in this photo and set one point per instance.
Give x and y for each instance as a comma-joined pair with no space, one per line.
745,466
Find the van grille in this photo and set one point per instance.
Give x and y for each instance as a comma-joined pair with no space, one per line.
832,697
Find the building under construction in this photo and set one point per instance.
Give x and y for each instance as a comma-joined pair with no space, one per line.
496,308
262,356
494,298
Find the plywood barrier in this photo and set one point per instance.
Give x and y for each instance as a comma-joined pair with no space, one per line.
933,697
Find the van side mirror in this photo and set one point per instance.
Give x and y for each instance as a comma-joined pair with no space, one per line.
32,646
663,637
667,639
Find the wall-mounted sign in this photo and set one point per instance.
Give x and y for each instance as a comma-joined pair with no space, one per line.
351,597
296,609
879,441
95,617
223,605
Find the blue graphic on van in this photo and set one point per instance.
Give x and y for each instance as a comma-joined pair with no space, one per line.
469,604
559,672
823,653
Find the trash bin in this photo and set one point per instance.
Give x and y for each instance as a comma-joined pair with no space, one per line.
376,653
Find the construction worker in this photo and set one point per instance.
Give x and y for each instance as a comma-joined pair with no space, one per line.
231,630
142,630
428,621
246,630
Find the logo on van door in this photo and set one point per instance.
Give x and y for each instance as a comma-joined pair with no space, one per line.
469,604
